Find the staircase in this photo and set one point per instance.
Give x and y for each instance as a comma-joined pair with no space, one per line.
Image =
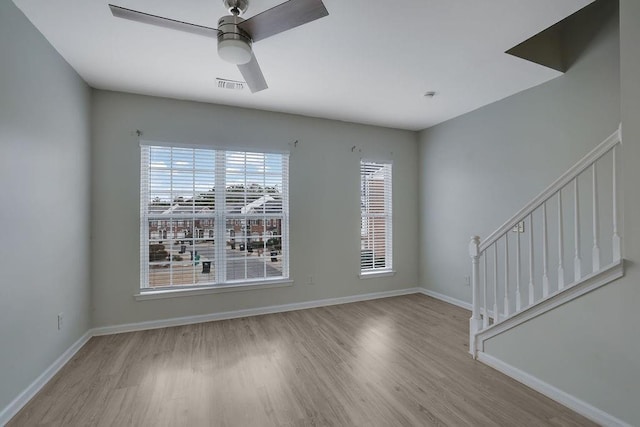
551,251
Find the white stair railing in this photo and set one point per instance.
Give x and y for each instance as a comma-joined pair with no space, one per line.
494,303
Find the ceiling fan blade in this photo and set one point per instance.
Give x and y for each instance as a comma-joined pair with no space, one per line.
159,21
283,17
252,74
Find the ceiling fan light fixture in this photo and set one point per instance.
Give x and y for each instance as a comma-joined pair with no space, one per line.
236,35
234,51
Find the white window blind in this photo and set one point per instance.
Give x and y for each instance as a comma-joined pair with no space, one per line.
376,237
212,217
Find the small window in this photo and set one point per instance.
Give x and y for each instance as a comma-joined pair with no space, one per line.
376,237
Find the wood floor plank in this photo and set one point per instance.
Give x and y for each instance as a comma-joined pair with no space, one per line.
398,361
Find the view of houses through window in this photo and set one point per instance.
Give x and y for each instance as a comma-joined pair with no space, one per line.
376,243
212,216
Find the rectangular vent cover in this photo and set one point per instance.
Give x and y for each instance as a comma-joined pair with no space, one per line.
230,84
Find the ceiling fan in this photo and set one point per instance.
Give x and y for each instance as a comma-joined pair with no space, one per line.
236,35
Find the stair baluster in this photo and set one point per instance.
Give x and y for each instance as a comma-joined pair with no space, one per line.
596,223
531,283
577,262
560,243
485,311
496,312
518,268
616,243
545,255
506,275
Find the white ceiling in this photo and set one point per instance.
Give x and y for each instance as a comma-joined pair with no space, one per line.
369,61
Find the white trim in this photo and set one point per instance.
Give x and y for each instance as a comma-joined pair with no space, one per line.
580,406
445,298
234,287
27,394
376,160
217,216
211,146
189,320
587,284
600,150
387,215
373,274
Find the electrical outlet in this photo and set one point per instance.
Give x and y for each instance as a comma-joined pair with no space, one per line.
60,320
310,280
467,280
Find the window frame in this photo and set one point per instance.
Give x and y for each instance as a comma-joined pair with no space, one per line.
387,269
219,216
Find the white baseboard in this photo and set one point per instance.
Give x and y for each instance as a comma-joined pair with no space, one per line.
445,298
189,320
581,407
27,394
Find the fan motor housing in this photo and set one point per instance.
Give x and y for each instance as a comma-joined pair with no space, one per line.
229,30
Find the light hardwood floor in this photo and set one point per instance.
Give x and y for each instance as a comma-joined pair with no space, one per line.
398,361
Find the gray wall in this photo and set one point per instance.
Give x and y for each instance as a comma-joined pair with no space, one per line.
44,171
590,348
479,169
324,202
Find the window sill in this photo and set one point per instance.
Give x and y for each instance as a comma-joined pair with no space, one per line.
374,274
235,287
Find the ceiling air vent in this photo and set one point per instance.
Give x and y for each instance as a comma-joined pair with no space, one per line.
230,84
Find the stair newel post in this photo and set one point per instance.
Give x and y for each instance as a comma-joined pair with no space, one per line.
475,322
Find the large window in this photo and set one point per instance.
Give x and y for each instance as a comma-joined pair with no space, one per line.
212,217
376,242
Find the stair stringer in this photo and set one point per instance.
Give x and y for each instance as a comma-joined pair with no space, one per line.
585,285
